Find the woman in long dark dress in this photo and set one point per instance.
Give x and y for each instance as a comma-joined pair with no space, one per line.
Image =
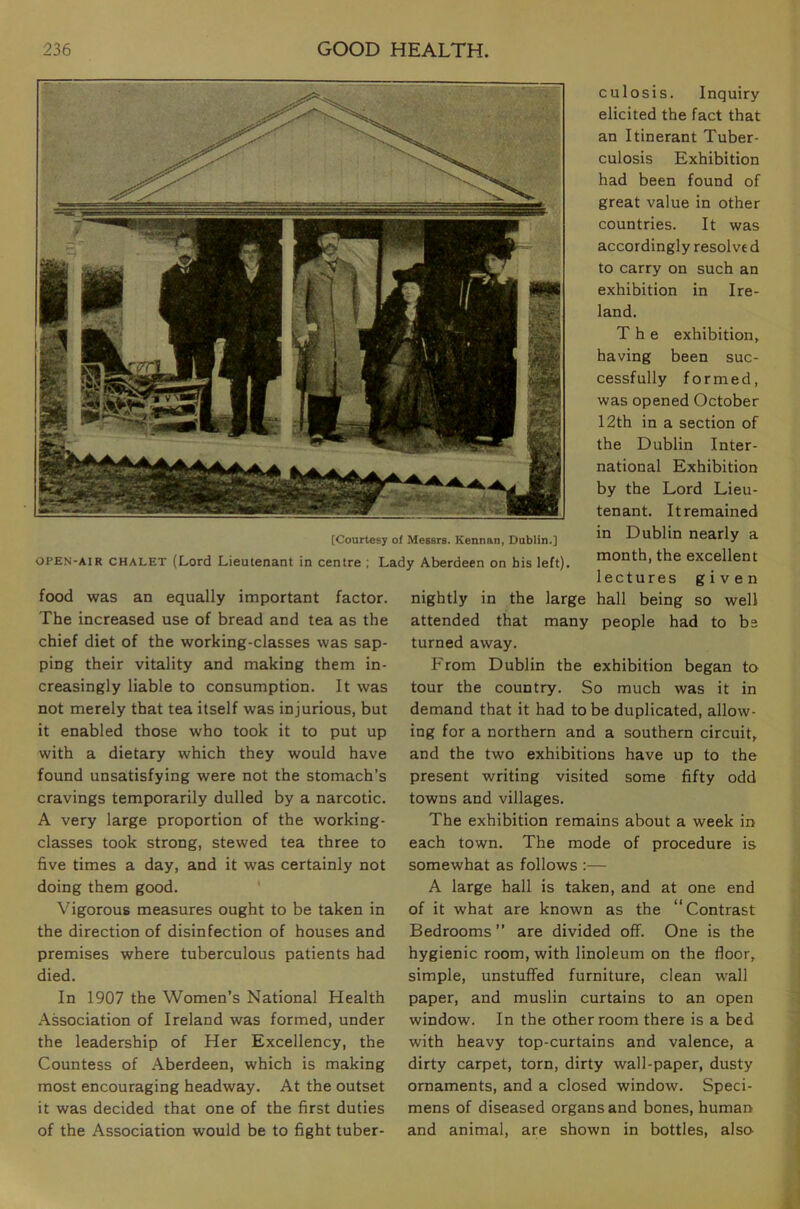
489,328
399,368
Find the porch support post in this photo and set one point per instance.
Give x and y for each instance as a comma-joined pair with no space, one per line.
523,253
287,360
74,309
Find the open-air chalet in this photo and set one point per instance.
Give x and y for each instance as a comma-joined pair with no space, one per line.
396,201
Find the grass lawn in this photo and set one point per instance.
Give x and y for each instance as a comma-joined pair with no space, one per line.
70,487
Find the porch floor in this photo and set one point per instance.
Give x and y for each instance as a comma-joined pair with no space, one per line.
455,465
409,499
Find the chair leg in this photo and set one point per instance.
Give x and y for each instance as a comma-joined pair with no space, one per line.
101,399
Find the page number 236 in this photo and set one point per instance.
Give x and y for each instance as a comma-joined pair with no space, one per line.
56,49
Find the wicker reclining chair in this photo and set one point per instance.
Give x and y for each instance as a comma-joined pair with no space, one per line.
138,391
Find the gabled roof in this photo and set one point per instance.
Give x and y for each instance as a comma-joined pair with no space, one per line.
316,156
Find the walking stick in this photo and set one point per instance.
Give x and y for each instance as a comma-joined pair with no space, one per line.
301,382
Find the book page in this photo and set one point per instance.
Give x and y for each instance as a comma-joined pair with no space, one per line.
399,607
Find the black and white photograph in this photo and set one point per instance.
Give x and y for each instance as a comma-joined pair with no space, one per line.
299,298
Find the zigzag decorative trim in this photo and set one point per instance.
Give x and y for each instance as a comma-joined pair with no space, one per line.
448,469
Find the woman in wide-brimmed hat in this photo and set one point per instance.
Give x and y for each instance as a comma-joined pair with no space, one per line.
489,374
405,349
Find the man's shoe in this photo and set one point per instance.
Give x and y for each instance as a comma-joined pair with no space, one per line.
336,436
234,434
316,439
260,430
208,428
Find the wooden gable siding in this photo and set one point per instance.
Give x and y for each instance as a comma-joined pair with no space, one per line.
316,158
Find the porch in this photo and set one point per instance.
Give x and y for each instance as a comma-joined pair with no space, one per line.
453,465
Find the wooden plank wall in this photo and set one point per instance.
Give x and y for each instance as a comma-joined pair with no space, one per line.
316,158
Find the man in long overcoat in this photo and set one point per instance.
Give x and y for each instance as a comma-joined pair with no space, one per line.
186,303
248,326
325,326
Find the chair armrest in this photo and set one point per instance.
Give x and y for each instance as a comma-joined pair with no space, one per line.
147,367
139,386
93,375
173,385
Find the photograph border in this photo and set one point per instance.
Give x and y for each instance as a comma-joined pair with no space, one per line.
561,509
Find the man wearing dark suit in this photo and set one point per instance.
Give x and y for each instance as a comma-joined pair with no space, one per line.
187,305
248,326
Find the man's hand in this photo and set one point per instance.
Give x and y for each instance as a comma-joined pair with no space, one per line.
219,345
302,341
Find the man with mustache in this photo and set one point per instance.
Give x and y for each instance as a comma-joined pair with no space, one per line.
325,327
186,303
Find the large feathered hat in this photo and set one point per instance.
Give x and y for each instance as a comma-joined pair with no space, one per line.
418,273
501,248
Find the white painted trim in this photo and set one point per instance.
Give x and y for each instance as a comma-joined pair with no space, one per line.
74,327
287,360
523,254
